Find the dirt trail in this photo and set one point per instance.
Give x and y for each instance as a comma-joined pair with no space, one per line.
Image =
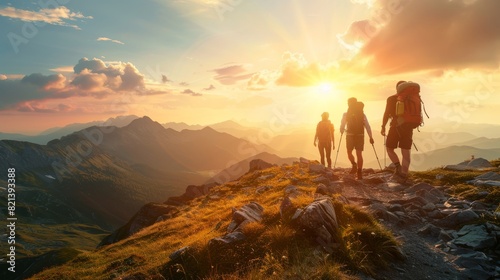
423,260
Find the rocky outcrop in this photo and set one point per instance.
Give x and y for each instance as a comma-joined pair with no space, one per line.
258,164
146,216
192,192
319,222
475,164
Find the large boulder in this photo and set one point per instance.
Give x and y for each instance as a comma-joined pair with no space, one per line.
146,216
475,237
479,163
458,218
319,221
248,213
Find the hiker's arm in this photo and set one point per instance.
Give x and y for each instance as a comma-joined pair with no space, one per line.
316,136
367,126
342,124
385,119
332,129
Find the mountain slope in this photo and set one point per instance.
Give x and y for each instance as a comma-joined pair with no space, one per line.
237,170
453,154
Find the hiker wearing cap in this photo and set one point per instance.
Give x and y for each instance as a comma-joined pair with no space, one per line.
400,134
356,123
324,137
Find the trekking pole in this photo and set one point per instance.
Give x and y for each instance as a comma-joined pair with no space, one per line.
338,149
385,153
376,156
415,146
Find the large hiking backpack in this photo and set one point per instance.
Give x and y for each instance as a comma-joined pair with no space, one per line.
355,120
324,131
409,105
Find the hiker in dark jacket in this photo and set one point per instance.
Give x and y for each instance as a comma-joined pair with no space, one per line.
398,136
324,137
356,122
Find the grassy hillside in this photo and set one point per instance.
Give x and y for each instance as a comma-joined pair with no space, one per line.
273,249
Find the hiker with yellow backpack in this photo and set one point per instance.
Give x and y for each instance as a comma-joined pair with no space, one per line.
405,111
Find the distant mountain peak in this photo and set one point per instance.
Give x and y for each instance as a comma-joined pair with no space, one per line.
144,123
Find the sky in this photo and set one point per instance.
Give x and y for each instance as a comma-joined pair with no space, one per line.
278,62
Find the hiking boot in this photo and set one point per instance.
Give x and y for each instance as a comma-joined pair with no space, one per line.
360,174
399,178
397,171
354,168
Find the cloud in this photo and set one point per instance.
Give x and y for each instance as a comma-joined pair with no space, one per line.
164,79
190,92
3,77
37,107
88,81
55,16
55,81
210,87
94,79
184,84
230,75
261,80
111,40
119,76
430,34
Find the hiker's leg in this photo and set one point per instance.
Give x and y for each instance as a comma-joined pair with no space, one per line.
321,152
329,154
359,155
391,144
349,142
392,155
405,143
405,165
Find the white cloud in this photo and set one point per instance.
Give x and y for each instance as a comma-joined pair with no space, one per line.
111,40
55,16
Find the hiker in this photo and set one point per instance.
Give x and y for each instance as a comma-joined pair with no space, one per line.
324,137
356,122
400,134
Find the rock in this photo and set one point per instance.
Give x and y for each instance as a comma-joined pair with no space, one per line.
179,253
395,208
304,160
373,179
420,186
258,164
251,212
321,179
459,218
316,168
429,207
427,196
479,163
445,236
429,229
230,238
146,216
287,209
192,192
322,189
291,190
493,176
380,211
436,214
319,221
263,189
475,237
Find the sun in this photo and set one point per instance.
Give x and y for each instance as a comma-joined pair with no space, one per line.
324,88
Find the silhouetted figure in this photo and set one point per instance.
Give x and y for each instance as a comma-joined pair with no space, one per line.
399,135
324,137
356,122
